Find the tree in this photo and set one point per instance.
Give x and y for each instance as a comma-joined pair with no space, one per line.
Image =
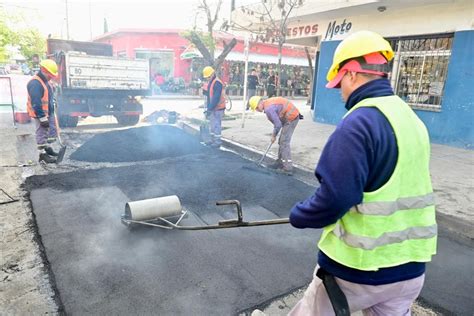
268,21
27,39
31,42
205,42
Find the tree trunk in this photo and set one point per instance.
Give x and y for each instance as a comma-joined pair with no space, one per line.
310,62
311,71
280,46
202,48
227,49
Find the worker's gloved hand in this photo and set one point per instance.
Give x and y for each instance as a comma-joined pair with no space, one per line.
207,114
44,122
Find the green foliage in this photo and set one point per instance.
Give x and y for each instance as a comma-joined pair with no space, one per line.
206,38
29,40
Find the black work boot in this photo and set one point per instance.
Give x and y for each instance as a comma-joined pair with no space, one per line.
44,157
51,152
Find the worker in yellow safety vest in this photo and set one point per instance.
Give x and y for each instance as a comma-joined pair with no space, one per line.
40,107
375,200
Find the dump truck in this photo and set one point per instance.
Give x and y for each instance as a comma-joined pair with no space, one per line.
93,82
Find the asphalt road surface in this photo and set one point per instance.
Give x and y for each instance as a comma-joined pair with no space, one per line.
102,268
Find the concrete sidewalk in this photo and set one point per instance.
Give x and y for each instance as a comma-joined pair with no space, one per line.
452,169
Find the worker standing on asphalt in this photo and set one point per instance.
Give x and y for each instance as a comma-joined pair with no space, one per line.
375,200
41,108
215,105
284,116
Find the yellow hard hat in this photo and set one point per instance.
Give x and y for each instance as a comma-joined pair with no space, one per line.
50,66
207,71
253,102
356,45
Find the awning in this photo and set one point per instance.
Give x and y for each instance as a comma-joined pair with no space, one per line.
190,52
268,59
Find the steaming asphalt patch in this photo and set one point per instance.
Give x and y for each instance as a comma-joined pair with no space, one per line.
138,144
102,268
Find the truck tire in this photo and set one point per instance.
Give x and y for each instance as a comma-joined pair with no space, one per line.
68,121
127,120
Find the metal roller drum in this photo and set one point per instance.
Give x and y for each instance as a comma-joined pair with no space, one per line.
144,210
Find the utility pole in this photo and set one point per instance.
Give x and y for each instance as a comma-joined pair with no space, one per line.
246,53
67,20
90,19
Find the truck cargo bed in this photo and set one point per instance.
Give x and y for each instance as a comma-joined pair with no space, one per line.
106,73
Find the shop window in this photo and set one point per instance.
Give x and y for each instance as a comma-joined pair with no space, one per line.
419,70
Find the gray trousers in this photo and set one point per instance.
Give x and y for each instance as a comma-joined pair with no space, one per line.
284,150
45,135
215,126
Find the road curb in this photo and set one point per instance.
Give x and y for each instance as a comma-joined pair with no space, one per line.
254,154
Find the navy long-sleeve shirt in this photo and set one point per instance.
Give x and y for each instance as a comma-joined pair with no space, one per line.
36,91
359,156
216,94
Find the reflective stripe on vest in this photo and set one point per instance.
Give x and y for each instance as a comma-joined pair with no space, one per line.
288,113
221,104
387,208
368,243
396,223
44,99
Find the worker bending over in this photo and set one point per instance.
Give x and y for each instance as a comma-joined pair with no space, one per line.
284,116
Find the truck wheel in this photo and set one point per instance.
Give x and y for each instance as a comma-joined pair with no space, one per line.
128,120
68,121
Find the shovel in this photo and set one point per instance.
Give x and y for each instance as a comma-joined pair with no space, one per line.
62,150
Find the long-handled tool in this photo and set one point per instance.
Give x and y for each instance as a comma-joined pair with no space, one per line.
62,150
159,212
259,166
265,154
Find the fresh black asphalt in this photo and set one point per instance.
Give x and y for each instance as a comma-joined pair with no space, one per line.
100,267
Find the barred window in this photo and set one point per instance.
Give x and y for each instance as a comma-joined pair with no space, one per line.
419,70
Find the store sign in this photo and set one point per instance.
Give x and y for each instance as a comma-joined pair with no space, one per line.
302,31
337,29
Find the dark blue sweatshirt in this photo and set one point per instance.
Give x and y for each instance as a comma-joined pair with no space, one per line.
216,96
36,91
360,156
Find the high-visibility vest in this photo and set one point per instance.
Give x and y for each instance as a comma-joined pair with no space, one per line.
221,104
44,99
396,223
289,111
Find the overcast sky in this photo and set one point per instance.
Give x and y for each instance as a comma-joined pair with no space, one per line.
86,17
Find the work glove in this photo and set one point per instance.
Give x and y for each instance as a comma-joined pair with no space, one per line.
301,116
44,122
207,114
